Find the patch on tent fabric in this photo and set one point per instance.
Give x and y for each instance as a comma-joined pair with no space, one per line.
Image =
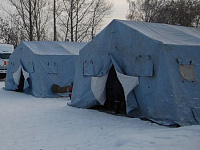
187,72
52,68
187,69
88,68
143,66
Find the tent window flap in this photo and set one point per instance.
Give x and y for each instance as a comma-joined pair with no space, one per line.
88,68
187,72
52,68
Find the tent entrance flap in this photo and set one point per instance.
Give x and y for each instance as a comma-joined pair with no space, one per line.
16,75
112,85
98,85
128,83
20,78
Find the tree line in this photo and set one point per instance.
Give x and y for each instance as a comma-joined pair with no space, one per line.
80,20
63,20
174,12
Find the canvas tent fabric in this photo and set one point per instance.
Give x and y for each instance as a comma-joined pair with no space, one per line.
42,63
161,68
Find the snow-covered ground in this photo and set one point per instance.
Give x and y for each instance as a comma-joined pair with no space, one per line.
29,123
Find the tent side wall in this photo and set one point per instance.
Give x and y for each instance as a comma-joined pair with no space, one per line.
49,70
161,87
82,95
160,91
184,74
166,97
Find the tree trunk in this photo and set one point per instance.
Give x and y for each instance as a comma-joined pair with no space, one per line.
71,17
54,18
30,21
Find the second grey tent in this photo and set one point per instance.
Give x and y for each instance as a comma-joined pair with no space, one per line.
35,66
158,66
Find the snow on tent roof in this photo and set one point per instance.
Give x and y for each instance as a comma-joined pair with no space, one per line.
54,47
167,34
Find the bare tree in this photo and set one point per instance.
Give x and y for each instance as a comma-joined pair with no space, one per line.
99,11
30,20
144,10
80,19
75,11
34,15
6,33
54,18
71,20
181,12
10,31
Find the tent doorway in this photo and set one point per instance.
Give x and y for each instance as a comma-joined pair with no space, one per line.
109,92
20,78
115,98
112,90
20,87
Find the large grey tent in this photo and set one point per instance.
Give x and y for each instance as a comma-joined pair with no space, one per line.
158,66
42,63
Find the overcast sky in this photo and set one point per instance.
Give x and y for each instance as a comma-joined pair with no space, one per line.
120,9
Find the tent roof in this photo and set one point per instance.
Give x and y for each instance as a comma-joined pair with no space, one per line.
167,34
54,47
